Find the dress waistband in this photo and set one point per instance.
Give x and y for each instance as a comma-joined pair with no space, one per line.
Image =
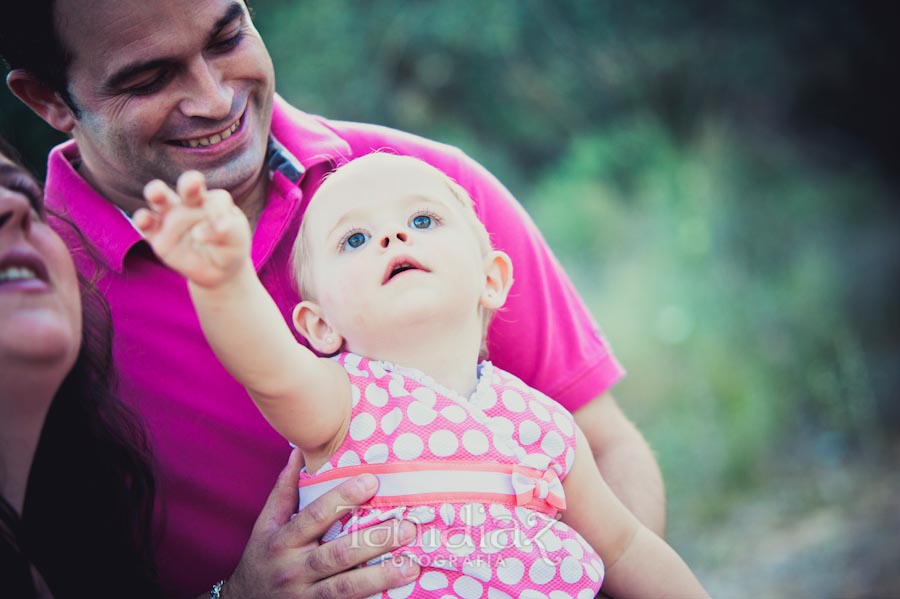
418,483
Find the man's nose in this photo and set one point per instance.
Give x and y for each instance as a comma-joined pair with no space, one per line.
399,236
205,94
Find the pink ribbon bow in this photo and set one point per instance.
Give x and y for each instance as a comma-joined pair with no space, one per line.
537,489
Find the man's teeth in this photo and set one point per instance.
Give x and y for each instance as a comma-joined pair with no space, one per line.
16,273
213,139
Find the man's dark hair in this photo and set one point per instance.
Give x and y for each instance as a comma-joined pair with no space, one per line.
29,41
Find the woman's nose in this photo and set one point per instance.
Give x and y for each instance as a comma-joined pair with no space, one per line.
399,235
15,210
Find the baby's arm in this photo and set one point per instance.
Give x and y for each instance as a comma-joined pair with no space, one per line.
638,563
205,237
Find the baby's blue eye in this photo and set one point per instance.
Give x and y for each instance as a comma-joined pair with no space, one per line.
422,221
356,240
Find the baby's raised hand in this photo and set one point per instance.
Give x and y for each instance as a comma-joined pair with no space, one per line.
198,232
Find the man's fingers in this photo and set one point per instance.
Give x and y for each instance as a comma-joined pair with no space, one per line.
364,582
282,501
357,548
313,521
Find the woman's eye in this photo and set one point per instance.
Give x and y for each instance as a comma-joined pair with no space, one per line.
422,221
356,240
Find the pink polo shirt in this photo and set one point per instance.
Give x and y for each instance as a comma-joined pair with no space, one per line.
217,457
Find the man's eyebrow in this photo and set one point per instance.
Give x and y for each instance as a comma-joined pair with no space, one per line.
121,77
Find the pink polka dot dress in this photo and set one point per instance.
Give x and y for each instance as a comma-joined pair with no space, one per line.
479,476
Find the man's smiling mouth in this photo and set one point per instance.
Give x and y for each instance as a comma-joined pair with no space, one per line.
199,142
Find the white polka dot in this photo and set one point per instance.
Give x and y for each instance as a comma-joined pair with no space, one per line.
391,421
592,574
503,446
420,414
351,365
425,395
499,512
443,443
396,388
454,414
354,395
549,541
527,517
350,458
376,396
573,548
478,568
486,399
376,369
538,409
537,461
494,541
421,514
460,544
408,446
503,426
510,570
570,570
468,588
529,432
598,565
542,571
513,401
377,454
553,444
564,422
430,540
402,592
495,594
443,564
559,595
448,514
433,581
362,426
522,542
570,459
532,594
475,442
472,514
586,594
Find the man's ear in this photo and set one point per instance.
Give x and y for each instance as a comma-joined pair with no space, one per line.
498,278
44,101
310,322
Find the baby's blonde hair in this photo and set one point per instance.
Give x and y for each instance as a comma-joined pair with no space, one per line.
301,266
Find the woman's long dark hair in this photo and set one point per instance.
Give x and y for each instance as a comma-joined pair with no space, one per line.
86,521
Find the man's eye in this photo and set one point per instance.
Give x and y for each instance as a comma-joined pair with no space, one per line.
146,85
229,43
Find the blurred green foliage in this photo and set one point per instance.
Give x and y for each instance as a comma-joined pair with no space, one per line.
719,178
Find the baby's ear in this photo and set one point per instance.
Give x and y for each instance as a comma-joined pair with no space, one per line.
498,278
310,322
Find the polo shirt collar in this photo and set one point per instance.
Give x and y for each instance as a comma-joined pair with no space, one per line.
298,142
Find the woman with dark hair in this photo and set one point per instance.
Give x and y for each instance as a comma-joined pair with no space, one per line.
76,486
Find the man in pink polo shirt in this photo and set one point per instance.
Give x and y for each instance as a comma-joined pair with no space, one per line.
151,89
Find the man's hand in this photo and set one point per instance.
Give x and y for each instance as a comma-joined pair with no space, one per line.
283,558
198,232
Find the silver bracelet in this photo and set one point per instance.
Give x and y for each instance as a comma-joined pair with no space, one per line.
216,591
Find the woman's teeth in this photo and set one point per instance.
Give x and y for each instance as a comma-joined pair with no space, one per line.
16,273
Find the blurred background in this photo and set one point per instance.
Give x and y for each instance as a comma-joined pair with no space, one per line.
720,180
